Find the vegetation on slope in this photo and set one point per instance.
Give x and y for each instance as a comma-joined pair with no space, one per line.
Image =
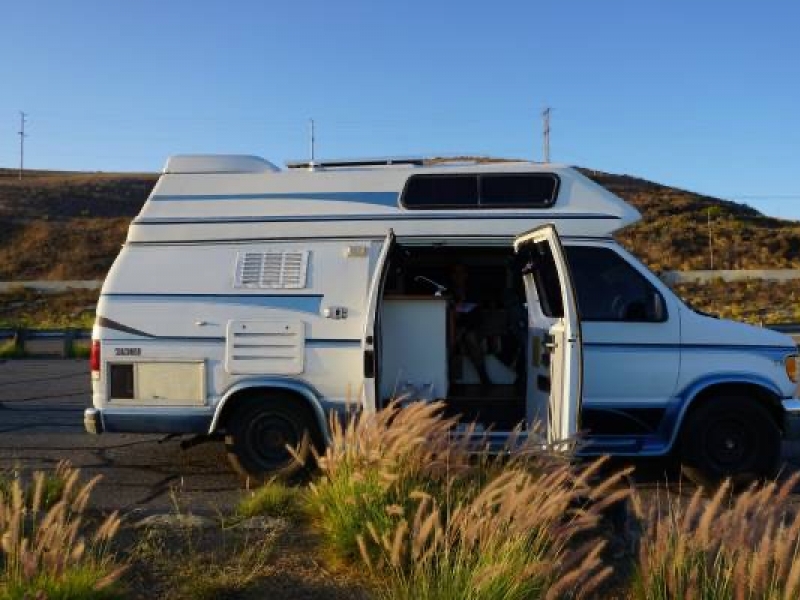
674,230
57,225
27,308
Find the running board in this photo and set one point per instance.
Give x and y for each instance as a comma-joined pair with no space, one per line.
593,447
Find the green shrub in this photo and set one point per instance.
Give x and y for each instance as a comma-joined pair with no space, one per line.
79,351
9,349
273,499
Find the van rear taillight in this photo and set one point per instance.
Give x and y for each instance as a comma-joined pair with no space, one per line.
94,359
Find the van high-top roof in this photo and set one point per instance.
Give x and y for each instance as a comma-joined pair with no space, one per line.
209,197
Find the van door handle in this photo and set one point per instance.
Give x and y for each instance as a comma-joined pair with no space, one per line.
550,343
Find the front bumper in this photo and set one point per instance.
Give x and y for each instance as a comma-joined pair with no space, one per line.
791,419
92,421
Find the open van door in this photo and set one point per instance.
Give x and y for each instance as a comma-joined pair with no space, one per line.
552,307
370,345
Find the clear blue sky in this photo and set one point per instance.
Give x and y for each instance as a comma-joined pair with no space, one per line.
700,94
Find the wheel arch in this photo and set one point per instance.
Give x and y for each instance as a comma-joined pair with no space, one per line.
705,390
246,389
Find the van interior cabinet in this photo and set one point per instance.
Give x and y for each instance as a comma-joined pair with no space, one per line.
413,347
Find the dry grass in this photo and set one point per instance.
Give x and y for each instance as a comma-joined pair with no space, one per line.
430,519
28,308
754,301
518,538
201,564
376,460
50,486
76,248
743,547
44,551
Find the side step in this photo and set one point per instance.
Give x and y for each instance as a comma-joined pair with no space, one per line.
597,446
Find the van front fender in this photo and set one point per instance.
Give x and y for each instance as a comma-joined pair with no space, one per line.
265,384
702,387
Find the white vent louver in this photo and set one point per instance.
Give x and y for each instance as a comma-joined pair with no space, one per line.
272,270
264,347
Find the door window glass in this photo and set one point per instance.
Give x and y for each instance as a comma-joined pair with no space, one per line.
538,261
610,289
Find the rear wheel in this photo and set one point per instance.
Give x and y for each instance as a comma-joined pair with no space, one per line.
262,430
730,437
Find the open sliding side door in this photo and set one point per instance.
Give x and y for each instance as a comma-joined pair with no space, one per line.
369,343
549,288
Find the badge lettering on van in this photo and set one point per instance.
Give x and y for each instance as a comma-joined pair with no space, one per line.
127,351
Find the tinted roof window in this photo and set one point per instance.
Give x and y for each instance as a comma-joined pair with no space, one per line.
441,191
530,190
501,190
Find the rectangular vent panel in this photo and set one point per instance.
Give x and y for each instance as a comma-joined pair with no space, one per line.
282,270
265,347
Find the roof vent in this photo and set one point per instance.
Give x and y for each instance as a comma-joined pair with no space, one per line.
190,164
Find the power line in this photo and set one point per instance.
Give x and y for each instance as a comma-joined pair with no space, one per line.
22,136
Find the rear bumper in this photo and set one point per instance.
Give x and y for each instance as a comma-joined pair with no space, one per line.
92,421
791,419
96,422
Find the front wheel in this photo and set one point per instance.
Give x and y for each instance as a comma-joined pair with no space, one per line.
730,437
260,433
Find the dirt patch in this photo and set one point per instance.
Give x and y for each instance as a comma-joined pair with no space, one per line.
226,562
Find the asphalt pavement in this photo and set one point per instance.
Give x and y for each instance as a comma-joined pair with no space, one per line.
41,423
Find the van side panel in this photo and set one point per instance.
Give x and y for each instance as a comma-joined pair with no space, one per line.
179,302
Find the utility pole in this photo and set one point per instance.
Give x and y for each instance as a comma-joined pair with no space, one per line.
311,164
546,133
710,241
22,136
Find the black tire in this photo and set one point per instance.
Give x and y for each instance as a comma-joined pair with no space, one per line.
259,432
732,437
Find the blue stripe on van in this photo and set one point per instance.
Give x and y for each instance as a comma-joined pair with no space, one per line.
392,216
775,352
379,198
309,303
309,342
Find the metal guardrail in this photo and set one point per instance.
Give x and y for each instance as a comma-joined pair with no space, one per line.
64,343
52,287
708,275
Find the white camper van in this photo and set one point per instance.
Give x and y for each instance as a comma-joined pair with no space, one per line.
253,302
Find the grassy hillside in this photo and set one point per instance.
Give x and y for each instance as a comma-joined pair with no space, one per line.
673,233
57,225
